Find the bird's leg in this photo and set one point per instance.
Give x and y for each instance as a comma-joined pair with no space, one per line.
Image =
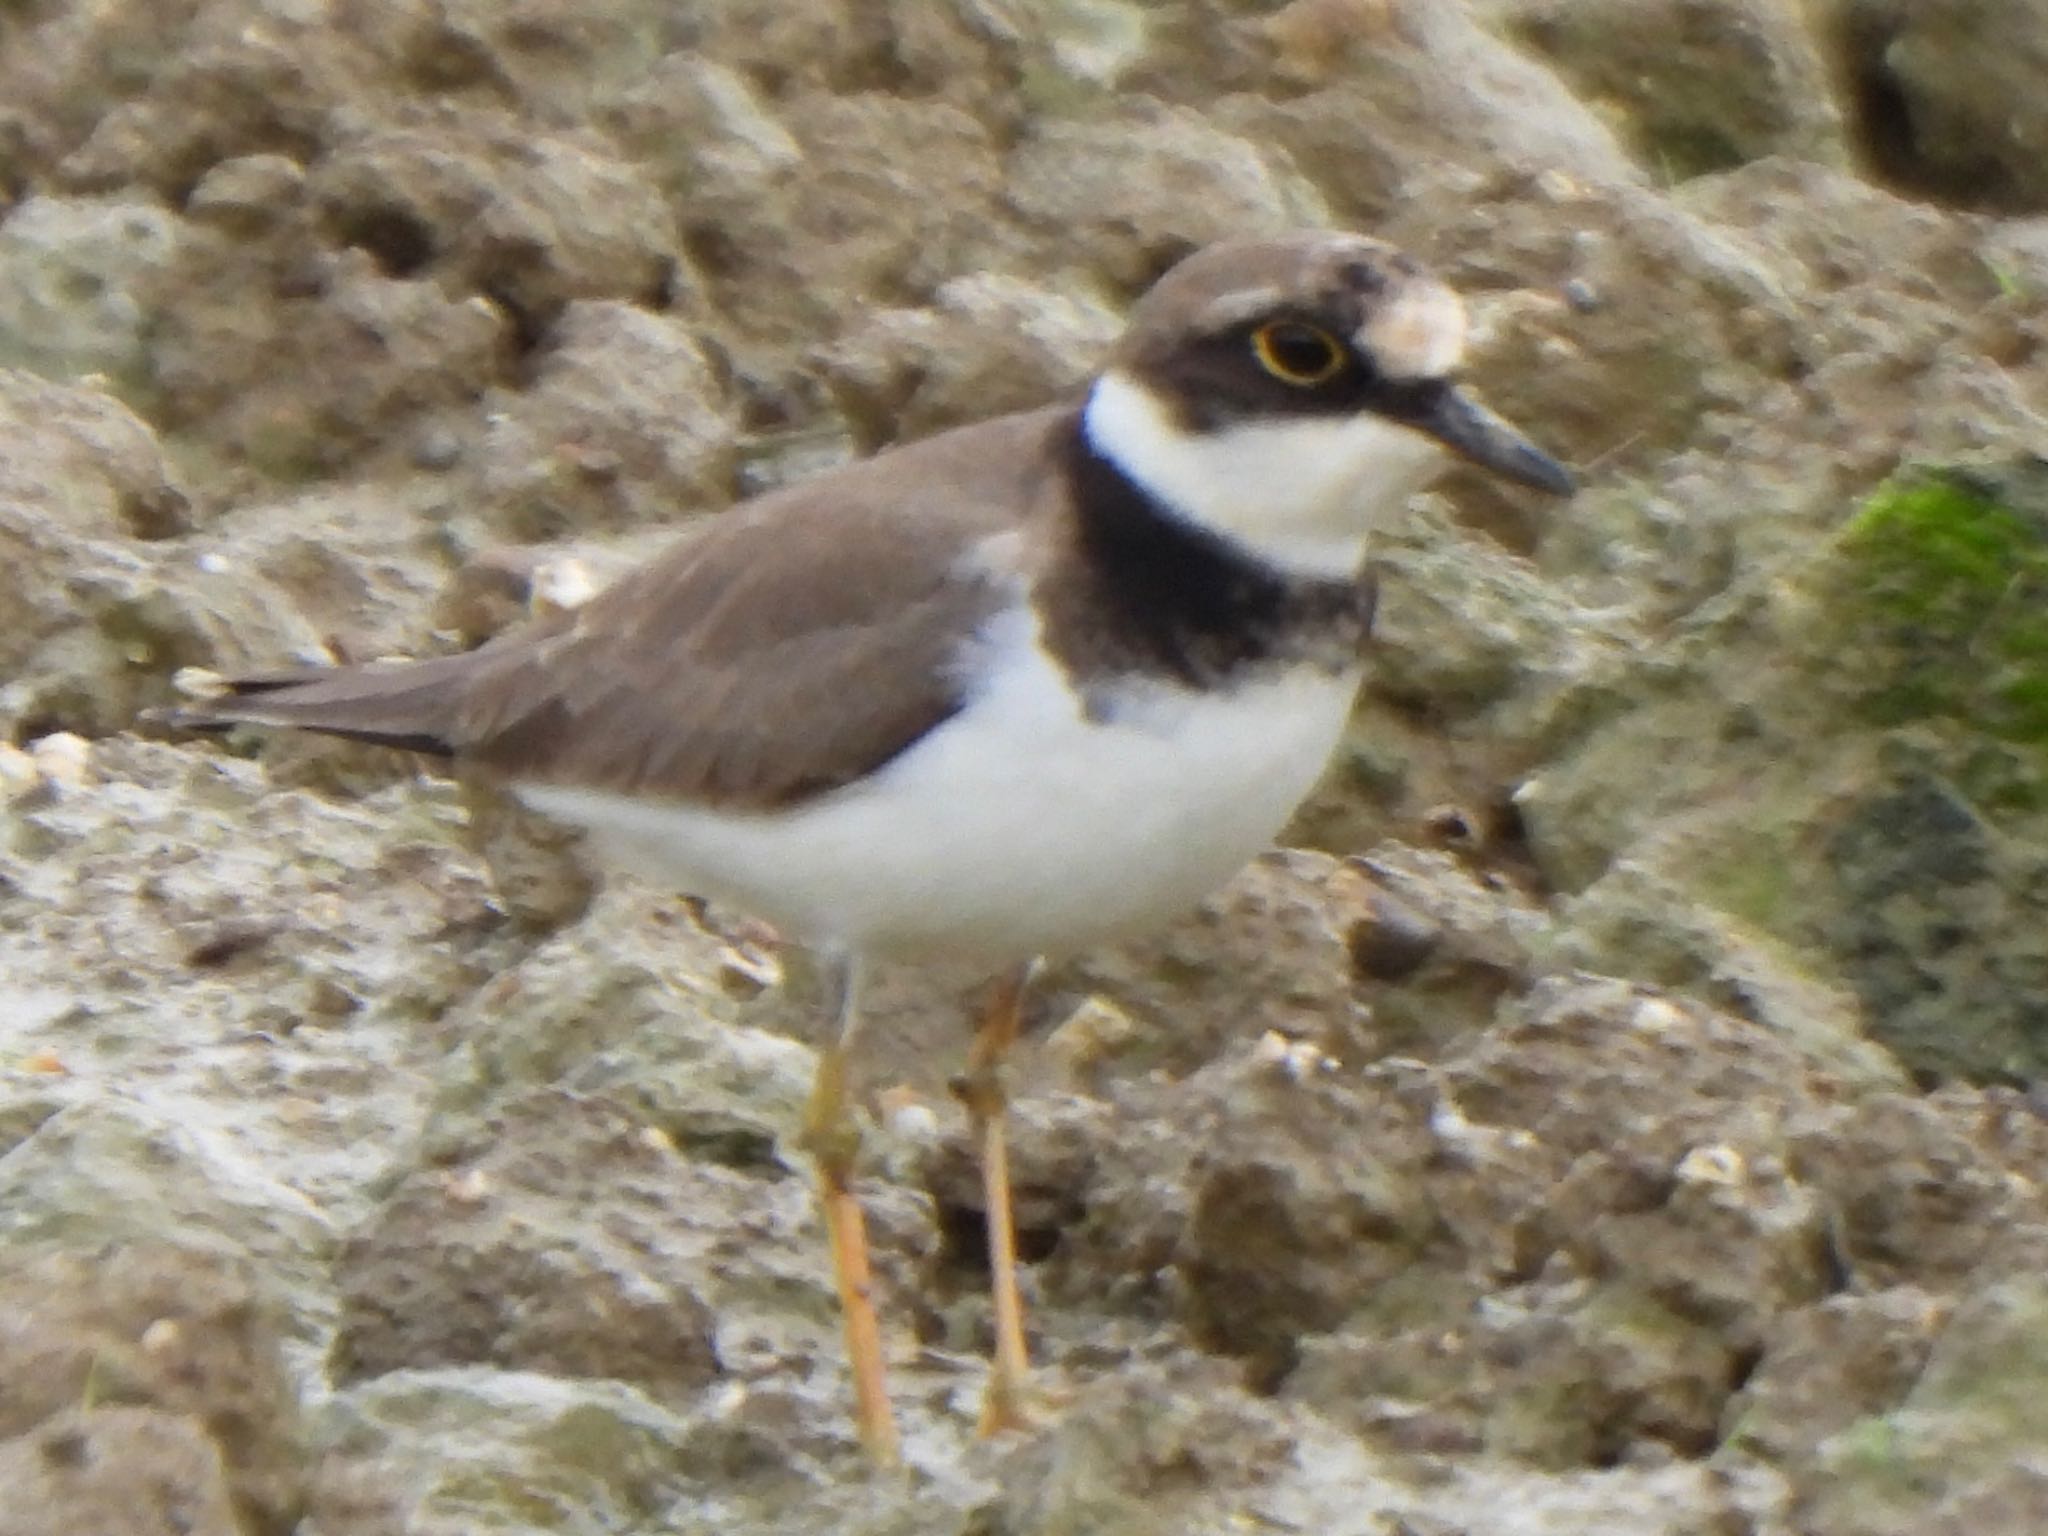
981,1090
833,1140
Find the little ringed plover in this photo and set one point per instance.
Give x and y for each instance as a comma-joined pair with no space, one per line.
994,695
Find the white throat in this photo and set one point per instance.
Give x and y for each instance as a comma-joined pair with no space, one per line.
1303,494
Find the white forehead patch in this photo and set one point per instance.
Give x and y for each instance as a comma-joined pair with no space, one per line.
1419,333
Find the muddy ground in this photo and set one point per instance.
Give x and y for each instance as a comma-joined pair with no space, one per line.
1618,1112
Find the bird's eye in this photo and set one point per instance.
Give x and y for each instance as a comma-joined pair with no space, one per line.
1298,354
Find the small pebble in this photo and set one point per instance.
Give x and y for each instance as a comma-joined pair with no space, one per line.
745,972
18,771
1451,824
1295,1059
1656,1016
437,448
1448,1123
247,192
63,759
1392,940
559,586
472,1186
904,1114
327,998
1093,1033
198,682
1719,1164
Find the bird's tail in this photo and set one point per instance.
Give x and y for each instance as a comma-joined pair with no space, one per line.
413,705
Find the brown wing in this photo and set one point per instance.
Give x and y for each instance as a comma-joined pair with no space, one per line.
797,644
754,674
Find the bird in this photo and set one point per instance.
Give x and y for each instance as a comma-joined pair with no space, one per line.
1005,692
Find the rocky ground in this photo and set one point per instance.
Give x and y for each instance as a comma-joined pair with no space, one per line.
1620,1112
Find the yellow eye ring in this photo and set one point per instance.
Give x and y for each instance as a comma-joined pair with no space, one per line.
1298,354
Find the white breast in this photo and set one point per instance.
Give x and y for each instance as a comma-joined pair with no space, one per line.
1019,827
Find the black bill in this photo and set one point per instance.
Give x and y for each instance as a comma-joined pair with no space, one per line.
1473,432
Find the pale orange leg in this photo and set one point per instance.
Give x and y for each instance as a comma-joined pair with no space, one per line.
981,1090
833,1140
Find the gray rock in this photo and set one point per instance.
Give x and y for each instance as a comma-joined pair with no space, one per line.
60,74
1073,51
81,464
622,424
1392,109
894,197
136,1327
1953,1454
345,360
1462,625
532,222
704,128
218,90
1264,954
1150,1455
1700,86
1924,1189
867,49
177,914
76,284
454,1452
1281,1239
248,194
102,1172
987,344
627,1004
1134,195
1827,1367
1888,830
1931,919
507,1260
1953,107
121,1471
1644,919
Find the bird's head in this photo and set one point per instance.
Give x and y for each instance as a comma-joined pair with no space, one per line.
1291,393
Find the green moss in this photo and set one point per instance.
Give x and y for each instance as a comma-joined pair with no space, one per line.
289,444
1879,1456
1949,609
1993,1359
1973,1413
2010,284
1684,149
1750,874
1551,1419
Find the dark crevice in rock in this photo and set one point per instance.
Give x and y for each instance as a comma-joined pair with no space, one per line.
400,242
529,329
1890,140
963,1241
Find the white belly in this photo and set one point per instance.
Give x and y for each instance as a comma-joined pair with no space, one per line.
1019,827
